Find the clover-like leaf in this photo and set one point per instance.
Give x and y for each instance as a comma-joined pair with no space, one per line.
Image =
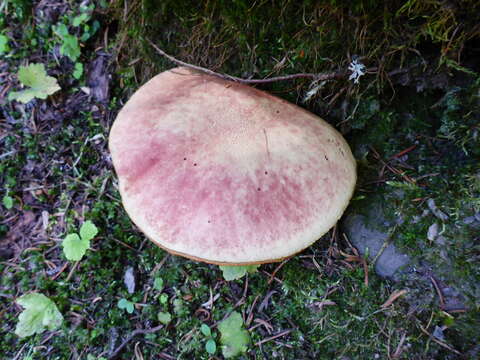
236,272
41,85
211,346
7,201
75,247
40,313
70,47
158,283
234,339
205,329
164,317
4,44
88,230
78,70
125,304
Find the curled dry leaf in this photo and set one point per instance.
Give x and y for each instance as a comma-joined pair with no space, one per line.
394,296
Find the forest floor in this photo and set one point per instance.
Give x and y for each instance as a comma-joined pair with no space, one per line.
413,124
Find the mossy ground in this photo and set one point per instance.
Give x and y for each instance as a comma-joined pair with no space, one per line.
322,303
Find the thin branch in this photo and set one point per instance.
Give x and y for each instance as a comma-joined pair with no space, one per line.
315,77
131,336
283,333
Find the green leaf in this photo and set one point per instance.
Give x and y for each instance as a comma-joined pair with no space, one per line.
7,202
78,70
205,329
234,339
158,283
236,272
4,44
40,313
41,85
77,20
61,30
70,47
74,248
164,317
163,298
125,304
211,347
178,307
88,230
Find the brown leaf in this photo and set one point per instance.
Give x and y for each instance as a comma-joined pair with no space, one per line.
394,296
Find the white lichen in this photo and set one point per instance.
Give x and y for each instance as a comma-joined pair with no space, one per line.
357,69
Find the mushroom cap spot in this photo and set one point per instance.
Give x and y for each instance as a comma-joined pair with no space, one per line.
224,173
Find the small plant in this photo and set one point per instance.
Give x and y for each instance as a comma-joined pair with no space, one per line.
210,345
78,70
234,338
4,48
125,304
82,31
7,202
158,284
164,317
237,272
75,246
93,357
40,313
41,85
70,46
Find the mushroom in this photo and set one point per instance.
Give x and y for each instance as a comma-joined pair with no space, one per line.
221,172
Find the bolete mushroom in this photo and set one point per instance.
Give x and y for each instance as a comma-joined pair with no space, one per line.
221,172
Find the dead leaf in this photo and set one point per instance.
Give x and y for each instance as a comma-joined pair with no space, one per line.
394,296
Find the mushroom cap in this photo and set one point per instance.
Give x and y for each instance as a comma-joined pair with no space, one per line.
223,173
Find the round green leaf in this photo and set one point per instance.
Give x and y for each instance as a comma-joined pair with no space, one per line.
210,346
205,330
74,248
164,317
88,230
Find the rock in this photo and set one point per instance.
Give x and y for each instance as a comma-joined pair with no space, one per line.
367,228
438,333
432,232
371,238
453,299
129,280
437,212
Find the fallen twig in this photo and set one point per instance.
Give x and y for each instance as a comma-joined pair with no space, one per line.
62,269
394,296
272,277
131,336
283,333
439,342
399,349
70,274
439,292
314,77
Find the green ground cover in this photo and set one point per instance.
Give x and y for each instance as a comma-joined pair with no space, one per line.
327,302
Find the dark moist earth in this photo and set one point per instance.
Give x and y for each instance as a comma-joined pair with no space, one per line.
398,278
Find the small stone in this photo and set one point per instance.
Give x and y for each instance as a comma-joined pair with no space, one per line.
368,238
432,232
477,216
438,333
129,280
436,211
440,240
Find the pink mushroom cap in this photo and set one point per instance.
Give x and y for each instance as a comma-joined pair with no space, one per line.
224,173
